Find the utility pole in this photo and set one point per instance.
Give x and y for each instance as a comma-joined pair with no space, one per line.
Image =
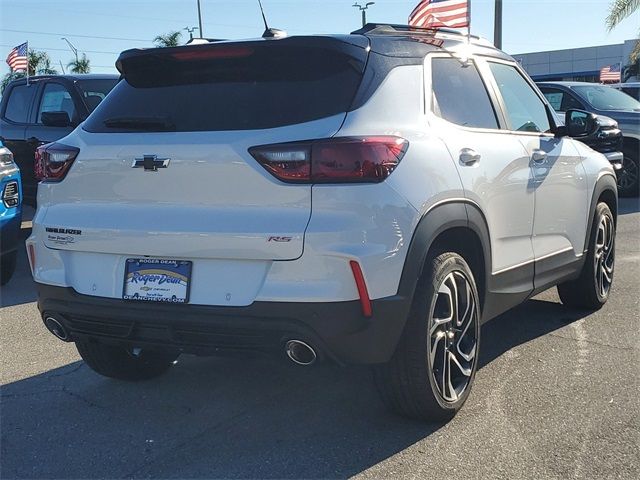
497,24
63,72
363,10
199,21
73,49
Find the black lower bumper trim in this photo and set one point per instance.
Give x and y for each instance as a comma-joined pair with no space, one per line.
338,330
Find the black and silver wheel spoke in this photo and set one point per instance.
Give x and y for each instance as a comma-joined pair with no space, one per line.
453,336
604,255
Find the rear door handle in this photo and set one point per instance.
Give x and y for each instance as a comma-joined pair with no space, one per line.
539,157
468,156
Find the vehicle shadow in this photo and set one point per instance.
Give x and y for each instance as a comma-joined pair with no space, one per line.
628,205
223,417
21,288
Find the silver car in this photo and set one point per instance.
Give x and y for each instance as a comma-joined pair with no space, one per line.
368,198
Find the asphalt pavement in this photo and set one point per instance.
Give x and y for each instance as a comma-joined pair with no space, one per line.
557,396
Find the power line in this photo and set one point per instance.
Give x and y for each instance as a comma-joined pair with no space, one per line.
74,35
59,49
173,20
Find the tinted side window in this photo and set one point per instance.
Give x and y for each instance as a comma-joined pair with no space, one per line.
19,103
554,97
56,98
525,110
94,91
459,95
569,101
560,101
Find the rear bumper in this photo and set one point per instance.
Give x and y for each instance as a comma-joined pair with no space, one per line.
336,330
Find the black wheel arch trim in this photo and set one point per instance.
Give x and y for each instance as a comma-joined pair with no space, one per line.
443,216
606,182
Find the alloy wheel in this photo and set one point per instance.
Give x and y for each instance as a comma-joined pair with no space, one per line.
604,255
628,175
453,336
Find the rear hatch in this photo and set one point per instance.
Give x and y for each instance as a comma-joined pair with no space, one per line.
164,169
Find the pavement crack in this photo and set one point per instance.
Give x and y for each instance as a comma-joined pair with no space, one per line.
188,441
11,396
592,342
81,398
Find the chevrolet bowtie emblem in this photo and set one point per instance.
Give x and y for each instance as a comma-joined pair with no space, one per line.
151,163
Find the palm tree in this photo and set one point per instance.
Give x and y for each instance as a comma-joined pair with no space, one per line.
618,11
80,65
39,64
171,39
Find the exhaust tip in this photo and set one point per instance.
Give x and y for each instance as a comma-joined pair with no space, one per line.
56,327
300,352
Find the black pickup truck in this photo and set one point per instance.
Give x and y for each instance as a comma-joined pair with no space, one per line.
43,110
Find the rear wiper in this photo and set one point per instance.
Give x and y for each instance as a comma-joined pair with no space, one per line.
140,123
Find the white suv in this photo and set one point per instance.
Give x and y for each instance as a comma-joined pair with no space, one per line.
368,198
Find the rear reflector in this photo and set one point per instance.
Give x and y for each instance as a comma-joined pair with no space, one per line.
31,254
365,301
52,161
333,160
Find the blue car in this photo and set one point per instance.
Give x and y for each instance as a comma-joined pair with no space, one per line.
10,213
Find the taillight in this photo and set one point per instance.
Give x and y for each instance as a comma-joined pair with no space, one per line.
52,161
333,160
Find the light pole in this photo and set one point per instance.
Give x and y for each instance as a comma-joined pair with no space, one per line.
497,24
73,49
191,30
363,10
199,21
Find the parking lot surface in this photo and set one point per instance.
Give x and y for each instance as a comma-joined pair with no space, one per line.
556,396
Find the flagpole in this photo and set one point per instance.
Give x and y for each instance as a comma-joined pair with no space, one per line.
27,42
469,22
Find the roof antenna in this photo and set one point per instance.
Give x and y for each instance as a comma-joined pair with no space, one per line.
270,32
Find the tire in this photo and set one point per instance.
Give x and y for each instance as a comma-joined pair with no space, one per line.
118,362
592,288
8,267
410,382
629,176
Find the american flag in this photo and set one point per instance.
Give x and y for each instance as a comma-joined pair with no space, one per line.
610,73
17,59
440,13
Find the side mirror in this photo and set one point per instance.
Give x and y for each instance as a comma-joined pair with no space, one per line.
56,119
580,123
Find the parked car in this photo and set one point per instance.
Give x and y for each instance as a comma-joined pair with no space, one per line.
630,88
44,110
10,214
607,139
361,198
604,100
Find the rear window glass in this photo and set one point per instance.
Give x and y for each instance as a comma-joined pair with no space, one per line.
229,88
20,98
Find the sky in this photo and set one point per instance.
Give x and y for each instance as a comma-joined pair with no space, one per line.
104,28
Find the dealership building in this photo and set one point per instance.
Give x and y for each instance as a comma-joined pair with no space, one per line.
580,64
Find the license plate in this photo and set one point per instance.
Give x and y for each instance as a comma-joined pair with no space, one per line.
157,280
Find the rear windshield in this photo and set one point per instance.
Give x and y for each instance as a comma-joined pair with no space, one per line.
235,87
